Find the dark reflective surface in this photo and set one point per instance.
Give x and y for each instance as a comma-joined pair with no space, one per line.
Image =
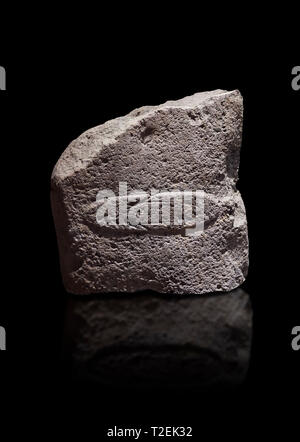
147,339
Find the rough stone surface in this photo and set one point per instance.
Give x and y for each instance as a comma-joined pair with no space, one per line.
189,144
150,339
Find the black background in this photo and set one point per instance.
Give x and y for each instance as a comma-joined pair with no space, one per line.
60,88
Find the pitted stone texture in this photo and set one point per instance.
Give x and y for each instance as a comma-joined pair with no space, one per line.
150,339
189,144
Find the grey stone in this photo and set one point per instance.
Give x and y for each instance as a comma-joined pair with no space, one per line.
147,339
185,145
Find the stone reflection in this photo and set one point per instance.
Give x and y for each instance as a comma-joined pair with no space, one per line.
148,339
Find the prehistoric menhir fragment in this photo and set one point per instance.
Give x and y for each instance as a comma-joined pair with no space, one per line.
180,148
147,339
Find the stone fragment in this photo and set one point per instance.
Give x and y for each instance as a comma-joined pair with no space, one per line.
147,339
190,145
